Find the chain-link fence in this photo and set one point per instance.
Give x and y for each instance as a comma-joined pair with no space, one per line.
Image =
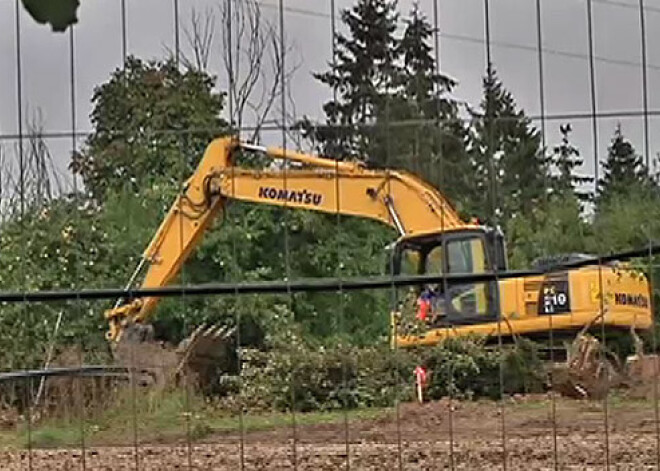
262,234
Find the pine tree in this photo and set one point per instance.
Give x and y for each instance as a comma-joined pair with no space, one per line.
509,167
623,169
566,159
433,144
422,85
362,76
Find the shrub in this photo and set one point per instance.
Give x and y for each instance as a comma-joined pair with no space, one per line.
466,368
310,378
304,377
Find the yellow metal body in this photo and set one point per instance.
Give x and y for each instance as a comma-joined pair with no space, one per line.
625,303
395,198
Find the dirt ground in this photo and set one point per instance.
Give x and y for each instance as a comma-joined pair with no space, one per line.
437,435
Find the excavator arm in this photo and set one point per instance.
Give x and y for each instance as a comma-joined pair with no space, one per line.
395,198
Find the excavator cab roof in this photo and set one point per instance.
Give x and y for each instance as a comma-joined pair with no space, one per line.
430,234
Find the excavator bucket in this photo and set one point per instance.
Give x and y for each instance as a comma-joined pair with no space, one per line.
198,360
589,372
206,354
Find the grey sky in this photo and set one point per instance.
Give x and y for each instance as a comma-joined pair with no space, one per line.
45,58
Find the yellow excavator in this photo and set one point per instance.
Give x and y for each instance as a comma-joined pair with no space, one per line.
433,239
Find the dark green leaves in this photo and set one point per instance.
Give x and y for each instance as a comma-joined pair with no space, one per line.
60,14
152,122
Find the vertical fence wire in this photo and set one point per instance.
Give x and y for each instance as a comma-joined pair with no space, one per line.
551,340
645,88
398,395
495,215
604,313
592,92
124,40
440,123
129,224
23,274
650,264
76,264
367,147
182,139
339,271
594,121
287,251
235,266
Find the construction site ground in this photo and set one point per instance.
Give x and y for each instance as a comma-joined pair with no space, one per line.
475,435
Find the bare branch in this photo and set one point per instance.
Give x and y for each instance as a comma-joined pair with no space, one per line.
252,61
200,38
40,182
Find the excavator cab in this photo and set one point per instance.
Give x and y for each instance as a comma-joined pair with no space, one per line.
456,252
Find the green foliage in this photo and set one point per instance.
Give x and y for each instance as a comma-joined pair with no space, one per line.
628,220
379,78
623,169
68,245
311,377
566,160
509,167
151,122
465,368
560,229
60,14
306,377
363,75
434,146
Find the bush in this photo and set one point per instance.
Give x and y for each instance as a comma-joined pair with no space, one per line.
307,378
304,377
465,368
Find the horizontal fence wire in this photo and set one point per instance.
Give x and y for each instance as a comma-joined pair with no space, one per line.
315,285
394,124
87,370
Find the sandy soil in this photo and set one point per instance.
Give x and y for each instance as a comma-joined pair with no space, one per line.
465,436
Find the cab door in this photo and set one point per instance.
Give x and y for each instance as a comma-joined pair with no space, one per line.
468,302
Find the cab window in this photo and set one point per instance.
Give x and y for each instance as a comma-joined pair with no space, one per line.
466,256
434,260
410,262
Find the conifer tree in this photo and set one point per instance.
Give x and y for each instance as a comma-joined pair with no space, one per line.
509,167
363,74
566,159
422,85
431,143
623,169
392,84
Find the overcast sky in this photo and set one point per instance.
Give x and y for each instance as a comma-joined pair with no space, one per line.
150,29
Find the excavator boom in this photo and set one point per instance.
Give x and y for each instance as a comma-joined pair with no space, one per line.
395,198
